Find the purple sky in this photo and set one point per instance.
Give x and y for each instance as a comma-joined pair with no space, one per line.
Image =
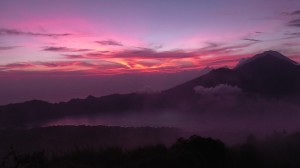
59,49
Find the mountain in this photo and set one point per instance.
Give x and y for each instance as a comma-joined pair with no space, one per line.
273,54
269,74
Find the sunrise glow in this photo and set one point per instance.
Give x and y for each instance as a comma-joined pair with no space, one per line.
88,37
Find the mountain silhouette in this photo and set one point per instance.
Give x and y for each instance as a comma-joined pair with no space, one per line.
269,74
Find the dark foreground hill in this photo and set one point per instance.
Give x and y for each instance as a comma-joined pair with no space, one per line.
60,139
278,151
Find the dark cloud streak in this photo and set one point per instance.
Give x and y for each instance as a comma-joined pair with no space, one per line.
109,43
15,32
297,12
222,49
294,23
64,49
97,65
8,47
292,35
251,39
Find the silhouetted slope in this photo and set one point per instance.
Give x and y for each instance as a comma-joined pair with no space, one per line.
35,113
271,74
21,114
186,90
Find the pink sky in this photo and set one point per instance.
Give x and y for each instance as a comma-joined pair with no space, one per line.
111,37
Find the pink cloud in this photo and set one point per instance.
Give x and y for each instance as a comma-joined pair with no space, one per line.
64,49
62,66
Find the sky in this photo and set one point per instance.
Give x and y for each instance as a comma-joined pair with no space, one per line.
59,49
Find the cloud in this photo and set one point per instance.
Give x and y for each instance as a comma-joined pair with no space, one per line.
221,49
292,18
293,34
8,47
150,53
251,39
141,53
73,56
215,49
144,59
15,65
109,43
90,55
18,32
212,45
64,49
297,12
63,66
157,46
222,89
289,44
294,23
150,63
137,59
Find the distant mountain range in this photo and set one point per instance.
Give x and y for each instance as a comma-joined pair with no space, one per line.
269,74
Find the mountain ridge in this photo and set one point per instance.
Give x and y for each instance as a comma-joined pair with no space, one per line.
269,73
272,53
